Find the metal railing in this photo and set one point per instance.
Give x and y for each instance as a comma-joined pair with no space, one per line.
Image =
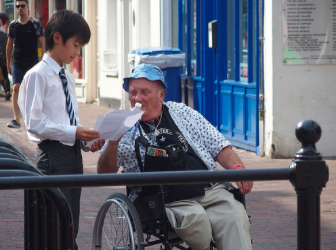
308,173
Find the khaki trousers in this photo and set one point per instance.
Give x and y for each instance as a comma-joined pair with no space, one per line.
216,214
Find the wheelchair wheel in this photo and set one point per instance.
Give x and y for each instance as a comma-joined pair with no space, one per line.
117,225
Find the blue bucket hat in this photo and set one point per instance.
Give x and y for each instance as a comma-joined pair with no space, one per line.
148,71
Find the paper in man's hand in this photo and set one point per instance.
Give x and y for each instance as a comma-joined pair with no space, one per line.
115,123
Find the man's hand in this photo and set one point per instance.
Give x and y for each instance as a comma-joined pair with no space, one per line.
97,145
228,159
245,186
85,134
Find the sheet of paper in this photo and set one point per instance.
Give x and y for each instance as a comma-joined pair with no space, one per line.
115,123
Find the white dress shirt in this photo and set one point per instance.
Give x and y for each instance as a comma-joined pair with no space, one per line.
42,103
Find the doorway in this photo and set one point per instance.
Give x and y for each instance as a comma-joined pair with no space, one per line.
221,76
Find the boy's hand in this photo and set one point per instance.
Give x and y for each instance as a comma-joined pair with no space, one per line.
97,145
85,134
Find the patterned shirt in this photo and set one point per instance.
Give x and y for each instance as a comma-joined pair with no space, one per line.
201,135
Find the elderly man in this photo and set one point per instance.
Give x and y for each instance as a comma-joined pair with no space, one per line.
174,137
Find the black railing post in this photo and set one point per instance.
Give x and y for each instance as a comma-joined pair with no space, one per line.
309,174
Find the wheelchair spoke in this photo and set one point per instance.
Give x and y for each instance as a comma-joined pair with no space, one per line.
114,227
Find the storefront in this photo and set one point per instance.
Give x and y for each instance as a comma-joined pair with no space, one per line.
42,10
123,26
256,68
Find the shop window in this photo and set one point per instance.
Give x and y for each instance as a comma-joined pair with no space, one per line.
77,65
230,13
42,15
191,36
9,9
243,68
42,11
184,32
110,46
59,5
254,41
241,49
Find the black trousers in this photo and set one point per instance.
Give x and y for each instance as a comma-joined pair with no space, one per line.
5,83
54,158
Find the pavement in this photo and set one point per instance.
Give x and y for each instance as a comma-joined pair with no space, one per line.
271,204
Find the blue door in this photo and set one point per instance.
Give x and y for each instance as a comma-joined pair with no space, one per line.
220,39
237,55
190,42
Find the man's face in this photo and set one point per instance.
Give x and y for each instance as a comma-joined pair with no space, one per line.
150,94
21,8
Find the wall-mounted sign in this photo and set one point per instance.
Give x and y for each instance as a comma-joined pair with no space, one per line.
309,31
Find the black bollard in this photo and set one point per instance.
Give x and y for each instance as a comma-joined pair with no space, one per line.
308,174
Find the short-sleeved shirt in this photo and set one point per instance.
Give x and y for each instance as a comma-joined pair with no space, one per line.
205,140
25,42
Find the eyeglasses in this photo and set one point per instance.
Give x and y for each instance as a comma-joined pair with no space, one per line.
20,5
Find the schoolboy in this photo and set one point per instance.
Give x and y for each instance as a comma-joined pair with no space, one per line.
46,109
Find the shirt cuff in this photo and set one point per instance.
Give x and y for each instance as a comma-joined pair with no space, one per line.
70,134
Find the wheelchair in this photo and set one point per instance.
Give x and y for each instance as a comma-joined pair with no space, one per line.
121,224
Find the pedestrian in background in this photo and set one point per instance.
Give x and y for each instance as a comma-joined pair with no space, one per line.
4,18
21,51
49,107
3,65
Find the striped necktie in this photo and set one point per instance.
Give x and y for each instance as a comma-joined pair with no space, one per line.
67,97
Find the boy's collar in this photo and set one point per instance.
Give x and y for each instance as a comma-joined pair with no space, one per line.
52,63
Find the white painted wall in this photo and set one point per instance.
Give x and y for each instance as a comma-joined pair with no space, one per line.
155,23
146,23
294,93
108,49
122,27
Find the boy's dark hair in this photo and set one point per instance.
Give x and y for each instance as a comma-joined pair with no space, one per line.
22,1
69,24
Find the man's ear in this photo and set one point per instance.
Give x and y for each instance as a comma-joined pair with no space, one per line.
162,94
57,38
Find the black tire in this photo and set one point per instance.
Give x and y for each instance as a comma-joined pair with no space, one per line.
117,225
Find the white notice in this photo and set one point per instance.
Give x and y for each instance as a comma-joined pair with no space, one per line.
115,123
309,31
